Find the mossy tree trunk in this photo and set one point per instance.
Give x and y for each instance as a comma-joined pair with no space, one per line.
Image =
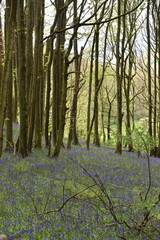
1,52
9,113
129,73
29,49
29,69
58,70
38,70
49,60
158,38
59,141
22,149
64,62
10,15
35,118
72,136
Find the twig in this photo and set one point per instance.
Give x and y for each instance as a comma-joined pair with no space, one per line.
65,202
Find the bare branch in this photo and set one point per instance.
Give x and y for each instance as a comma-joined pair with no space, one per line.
94,23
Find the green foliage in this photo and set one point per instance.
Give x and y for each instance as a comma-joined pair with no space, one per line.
142,142
22,166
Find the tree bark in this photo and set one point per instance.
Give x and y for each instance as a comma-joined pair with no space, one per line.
49,53
90,94
96,122
38,69
119,85
9,113
149,71
58,70
22,150
72,136
1,53
9,31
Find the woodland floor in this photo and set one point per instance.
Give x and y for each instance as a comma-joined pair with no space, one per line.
88,195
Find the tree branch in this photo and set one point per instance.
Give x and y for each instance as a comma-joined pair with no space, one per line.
94,23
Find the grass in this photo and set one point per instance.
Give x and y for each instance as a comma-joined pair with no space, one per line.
83,194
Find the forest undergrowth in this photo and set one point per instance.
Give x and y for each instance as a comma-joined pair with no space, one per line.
95,194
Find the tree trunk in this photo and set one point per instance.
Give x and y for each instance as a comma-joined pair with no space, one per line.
96,131
149,71
38,69
35,118
158,37
59,141
29,49
9,31
72,136
9,118
22,79
119,85
58,71
49,51
90,94
1,53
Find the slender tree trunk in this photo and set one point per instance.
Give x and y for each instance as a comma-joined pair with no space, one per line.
158,36
72,136
9,140
38,69
119,85
109,123
29,49
49,50
149,70
22,79
48,90
96,131
15,92
155,94
90,95
9,119
154,16
29,69
102,117
1,53
9,30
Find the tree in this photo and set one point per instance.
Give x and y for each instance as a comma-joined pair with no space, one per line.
64,65
29,70
9,31
130,73
155,25
22,148
158,38
1,51
72,136
38,71
35,118
58,70
48,59
149,70
89,125
119,84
